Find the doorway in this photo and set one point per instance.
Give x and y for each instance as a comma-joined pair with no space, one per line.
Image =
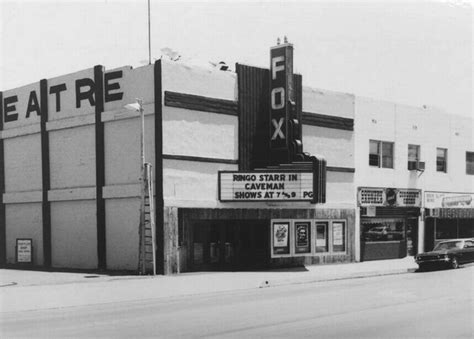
229,245
412,236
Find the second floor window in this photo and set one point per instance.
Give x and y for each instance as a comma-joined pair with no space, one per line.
441,160
469,162
413,155
381,154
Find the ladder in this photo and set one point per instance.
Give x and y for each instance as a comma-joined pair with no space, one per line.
147,248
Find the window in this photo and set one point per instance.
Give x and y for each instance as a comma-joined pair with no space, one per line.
377,230
469,162
441,160
454,228
374,153
413,156
381,154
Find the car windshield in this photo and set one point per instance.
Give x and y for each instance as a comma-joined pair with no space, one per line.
447,245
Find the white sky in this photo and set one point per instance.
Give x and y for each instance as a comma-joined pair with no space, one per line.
411,52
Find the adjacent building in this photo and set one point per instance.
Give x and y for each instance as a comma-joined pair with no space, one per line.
414,176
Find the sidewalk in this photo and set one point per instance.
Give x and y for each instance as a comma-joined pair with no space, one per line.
32,290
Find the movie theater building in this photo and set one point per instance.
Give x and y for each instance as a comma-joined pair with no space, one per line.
414,178
251,169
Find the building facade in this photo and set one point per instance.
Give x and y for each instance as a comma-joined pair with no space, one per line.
71,169
414,177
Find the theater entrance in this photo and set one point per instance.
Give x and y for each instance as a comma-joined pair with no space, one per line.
230,245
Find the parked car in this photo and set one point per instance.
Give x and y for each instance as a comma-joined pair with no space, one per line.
450,253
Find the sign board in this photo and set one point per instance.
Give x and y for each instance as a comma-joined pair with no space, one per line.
396,197
408,198
24,249
281,90
449,200
265,186
451,213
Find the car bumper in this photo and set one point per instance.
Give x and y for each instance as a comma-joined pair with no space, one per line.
433,261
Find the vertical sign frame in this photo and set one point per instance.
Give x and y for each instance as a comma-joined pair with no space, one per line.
281,92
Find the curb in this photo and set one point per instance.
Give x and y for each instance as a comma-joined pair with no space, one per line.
358,275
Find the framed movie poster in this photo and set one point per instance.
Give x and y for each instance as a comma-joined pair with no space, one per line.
281,243
338,237
303,237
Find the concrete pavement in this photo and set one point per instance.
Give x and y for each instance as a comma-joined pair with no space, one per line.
32,290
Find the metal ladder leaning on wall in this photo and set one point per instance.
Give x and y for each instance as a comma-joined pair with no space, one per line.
147,250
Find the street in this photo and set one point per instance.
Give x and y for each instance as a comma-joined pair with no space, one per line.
437,304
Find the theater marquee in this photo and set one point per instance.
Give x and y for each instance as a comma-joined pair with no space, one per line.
266,186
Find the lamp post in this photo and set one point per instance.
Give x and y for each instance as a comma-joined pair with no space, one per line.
138,107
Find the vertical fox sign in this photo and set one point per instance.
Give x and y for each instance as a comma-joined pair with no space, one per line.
281,101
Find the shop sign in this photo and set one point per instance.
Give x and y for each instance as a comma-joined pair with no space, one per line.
396,197
408,198
449,200
24,250
265,186
281,90
67,95
452,213
371,196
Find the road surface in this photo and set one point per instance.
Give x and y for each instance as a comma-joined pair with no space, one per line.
438,304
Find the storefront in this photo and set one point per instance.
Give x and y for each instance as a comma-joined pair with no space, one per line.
448,216
388,222
248,239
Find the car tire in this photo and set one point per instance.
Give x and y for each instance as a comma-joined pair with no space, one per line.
454,263
421,268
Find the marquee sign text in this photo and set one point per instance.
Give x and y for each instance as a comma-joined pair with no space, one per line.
265,186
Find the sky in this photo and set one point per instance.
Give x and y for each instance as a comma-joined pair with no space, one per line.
409,52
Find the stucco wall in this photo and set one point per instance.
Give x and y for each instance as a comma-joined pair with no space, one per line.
187,183
123,218
24,221
74,234
428,127
335,145
122,149
208,82
200,134
72,157
328,102
23,163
